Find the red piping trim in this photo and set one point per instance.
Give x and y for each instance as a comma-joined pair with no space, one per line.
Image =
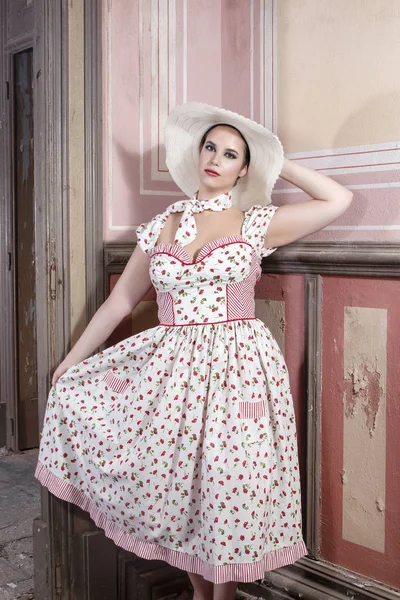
208,323
227,300
173,307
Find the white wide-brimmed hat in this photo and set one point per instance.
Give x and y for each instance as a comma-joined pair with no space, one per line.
184,130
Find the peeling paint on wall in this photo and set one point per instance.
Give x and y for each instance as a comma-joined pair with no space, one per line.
364,432
363,391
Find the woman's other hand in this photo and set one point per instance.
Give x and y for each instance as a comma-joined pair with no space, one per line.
294,221
128,291
61,369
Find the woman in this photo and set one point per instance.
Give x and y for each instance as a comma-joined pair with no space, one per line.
181,441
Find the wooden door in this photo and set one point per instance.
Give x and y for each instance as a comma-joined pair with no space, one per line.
24,252
19,427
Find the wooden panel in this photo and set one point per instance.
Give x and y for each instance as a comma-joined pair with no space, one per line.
317,578
285,294
357,361
19,20
144,316
272,313
94,566
289,290
143,579
25,252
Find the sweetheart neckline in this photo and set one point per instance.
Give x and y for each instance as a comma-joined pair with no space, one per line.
229,239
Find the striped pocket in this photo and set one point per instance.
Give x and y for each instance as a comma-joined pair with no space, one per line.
116,384
252,410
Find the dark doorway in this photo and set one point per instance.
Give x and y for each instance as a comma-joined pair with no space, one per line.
24,252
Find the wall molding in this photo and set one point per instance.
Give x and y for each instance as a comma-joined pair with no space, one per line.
93,156
51,197
263,83
163,82
364,259
309,578
358,259
312,418
316,580
350,159
366,167
7,377
116,256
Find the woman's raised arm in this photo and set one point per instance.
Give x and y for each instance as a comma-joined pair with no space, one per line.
294,221
129,289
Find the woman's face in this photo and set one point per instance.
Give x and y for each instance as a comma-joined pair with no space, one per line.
220,162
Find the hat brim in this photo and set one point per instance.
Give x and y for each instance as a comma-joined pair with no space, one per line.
184,130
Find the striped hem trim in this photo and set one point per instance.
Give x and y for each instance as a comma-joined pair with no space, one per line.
244,572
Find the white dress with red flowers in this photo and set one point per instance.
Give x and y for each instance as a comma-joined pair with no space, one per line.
180,441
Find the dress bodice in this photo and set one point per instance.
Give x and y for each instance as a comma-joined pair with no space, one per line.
219,285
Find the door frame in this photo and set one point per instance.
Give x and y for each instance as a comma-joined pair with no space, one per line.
52,299
49,39
8,330
53,530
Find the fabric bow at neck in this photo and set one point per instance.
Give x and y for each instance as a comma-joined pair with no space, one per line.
187,229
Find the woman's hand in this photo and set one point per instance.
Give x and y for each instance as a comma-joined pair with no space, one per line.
61,369
128,291
294,221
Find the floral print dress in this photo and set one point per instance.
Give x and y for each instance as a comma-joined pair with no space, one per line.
180,441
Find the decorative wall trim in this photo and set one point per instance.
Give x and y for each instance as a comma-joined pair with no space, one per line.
351,159
51,197
316,580
116,256
94,158
358,259
364,259
19,43
164,91
313,580
309,578
313,416
377,166
167,85
362,186
266,78
369,161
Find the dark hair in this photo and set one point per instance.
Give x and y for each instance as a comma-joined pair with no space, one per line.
246,160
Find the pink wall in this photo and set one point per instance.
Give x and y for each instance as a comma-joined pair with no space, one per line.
159,54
